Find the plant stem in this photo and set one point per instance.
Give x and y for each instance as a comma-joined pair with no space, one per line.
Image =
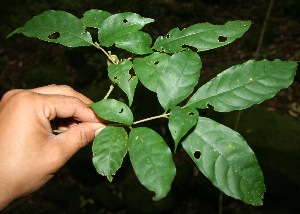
109,91
262,33
104,51
165,115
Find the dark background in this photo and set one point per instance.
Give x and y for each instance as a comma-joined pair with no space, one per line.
272,128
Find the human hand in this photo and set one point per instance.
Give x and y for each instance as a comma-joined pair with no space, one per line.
30,153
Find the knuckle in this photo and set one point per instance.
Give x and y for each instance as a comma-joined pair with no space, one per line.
18,97
9,94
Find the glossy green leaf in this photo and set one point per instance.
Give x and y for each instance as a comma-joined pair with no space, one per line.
152,161
109,148
225,158
181,121
150,68
113,110
117,26
243,85
65,29
94,18
136,42
119,74
178,78
203,36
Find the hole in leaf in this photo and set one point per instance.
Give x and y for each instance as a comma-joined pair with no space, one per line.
191,113
197,154
132,74
115,77
121,111
54,35
185,46
222,38
156,62
168,36
125,20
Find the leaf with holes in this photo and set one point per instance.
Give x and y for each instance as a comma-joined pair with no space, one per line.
152,161
203,36
178,78
149,69
109,148
57,26
113,110
94,18
119,74
181,121
225,158
243,85
115,27
136,42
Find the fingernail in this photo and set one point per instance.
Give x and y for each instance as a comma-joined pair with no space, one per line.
98,130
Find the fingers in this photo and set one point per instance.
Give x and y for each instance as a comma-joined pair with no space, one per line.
61,90
67,107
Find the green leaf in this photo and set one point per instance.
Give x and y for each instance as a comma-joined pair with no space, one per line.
244,85
136,42
152,161
203,36
173,78
94,18
181,121
113,110
119,74
109,149
117,26
178,78
149,69
69,30
225,158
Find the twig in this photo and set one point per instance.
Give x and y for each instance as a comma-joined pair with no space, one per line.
264,27
152,118
109,91
104,51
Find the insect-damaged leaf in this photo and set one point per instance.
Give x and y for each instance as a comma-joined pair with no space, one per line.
181,121
109,149
57,26
243,85
203,36
115,27
119,74
225,158
152,161
150,68
113,110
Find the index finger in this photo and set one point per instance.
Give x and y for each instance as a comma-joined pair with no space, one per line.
61,106
61,90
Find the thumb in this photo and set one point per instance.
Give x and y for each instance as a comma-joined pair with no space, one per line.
76,137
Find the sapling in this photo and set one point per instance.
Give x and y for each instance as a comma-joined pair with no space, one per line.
170,67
